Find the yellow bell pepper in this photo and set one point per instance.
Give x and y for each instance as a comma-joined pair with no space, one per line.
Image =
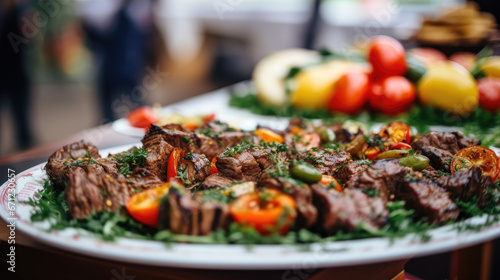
448,86
491,66
314,86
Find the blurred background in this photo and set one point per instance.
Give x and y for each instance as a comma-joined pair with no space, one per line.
68,65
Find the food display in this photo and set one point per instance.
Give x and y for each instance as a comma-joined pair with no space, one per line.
380,83
465,25
313,181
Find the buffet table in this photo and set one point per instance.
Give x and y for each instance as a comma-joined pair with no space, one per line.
34,260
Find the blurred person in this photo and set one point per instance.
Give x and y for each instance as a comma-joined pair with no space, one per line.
118,32
14,79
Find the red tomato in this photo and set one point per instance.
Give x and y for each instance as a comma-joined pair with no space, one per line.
392,95
144,206
267,211
480,156
466,59
387,56
142,117
350,93
428,55
489,93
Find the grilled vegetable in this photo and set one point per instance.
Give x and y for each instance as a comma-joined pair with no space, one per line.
267,211
392,154
144,206
480,156
305,172
416,162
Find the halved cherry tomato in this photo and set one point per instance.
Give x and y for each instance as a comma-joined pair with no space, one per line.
480,156
268,135
208,118
400,146
267,211
387,56
213,168
327,180
392,95
142,117
396,132
350,93
173,163
144,206
489,93
310,140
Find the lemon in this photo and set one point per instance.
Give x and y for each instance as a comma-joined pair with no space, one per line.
448,86
269,74
491,66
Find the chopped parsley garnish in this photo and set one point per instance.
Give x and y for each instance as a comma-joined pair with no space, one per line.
371,192
364,162
130,159
85,161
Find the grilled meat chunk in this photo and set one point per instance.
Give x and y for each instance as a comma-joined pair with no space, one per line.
196,167
382,176
346,210
350,170
325,160
428,200
184,213
439,159
238,167
158,153
464,184
142,179
94,190
448,141
194,142
57,171
215,181
76,150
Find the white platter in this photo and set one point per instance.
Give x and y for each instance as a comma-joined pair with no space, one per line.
344,253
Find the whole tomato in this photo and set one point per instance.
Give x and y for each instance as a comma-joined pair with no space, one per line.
387,56
350,93
392,95
489,93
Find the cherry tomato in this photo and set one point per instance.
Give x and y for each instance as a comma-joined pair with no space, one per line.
480,156
144,206
387,56
392,95
326,180
142,117
428,55
267,211
350,93
489,93
208,118
396,132
173,163
268,135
